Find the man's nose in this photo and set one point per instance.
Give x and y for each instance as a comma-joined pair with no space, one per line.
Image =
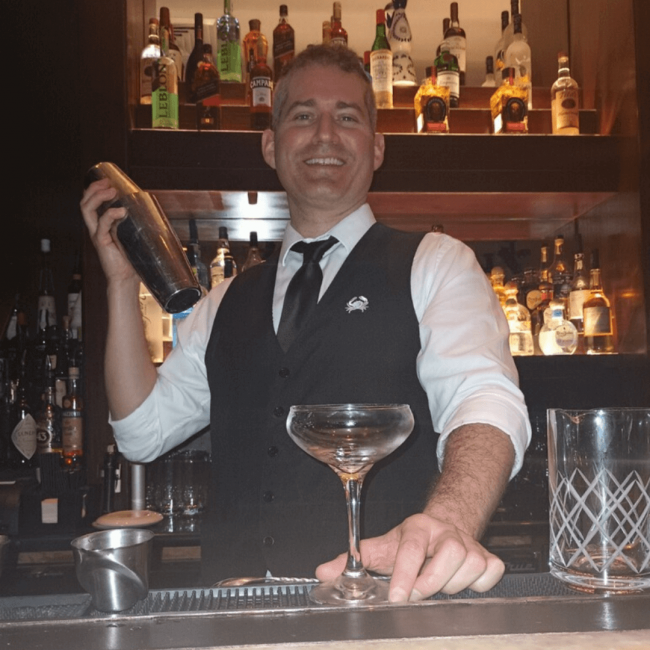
326,129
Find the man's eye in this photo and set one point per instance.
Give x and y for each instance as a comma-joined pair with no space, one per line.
348,118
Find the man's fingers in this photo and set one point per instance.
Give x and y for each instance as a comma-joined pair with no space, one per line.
332,569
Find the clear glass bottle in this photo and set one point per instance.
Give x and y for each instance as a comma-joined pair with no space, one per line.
518,56
490,81
565,100
518,317
457,41
560,273
174,51
448,73
196,56
284,43
254,257
508,105
72,422
432,105
21,452
499,49
338,35
381,64
164,96
579,292
557,335
597,314
400,39
46,304
223,261
509,29
150,53
229,63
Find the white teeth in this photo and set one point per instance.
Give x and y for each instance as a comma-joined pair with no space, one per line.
324,161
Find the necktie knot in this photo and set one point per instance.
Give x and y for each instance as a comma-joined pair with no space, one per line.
314,251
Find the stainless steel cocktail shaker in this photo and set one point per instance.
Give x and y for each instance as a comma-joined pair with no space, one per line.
149,241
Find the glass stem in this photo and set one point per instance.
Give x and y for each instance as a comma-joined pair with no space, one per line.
354,567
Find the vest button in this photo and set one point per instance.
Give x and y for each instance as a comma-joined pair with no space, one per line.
278,411
268,496
268,541
284,373
272,451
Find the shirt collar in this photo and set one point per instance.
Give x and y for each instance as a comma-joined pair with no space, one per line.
348,231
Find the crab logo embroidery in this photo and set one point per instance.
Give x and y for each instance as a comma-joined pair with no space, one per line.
358,303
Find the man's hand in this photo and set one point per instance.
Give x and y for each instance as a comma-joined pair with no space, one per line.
425,556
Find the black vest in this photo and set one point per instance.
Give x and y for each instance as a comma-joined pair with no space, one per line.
272,506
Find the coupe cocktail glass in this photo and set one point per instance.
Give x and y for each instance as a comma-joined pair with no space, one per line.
350,438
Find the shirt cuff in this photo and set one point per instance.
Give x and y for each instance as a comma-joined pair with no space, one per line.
497,411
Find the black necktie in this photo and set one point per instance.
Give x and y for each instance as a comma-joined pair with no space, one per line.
302,293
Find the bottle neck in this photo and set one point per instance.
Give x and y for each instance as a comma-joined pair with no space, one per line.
594,279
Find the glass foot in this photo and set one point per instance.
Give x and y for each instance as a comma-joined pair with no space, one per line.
350,591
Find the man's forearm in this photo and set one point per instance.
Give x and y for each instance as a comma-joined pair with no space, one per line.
478,461
129,372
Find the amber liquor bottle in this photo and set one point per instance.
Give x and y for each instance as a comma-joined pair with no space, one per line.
261,94
284,45
338,35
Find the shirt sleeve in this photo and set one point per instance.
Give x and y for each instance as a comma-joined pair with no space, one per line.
464,365
179,404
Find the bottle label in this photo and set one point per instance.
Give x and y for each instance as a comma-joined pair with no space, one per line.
597,321
164,101
74,312
533,298
435,114
576,301
24,436
209,93
146,79
381,70
339,40
72,431
261,91
564,109
451,80
458,47
46,311
45,436
229,59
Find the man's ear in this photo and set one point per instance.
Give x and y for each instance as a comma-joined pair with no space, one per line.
268,147
379,148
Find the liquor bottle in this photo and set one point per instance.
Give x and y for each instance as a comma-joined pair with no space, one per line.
497,276
250,42
46,303
448,73
150,53
48,419
22,450
164,97
530,285
510,27
557,335
597,314
432,105
222,259
207,92
338,35
72,423
543,298
399,38
366,64
518,56
327,32
445,27
457,41
499,50
518,317
74,298
253,258
559,272
199,268
284,45
229,61
196,56
579,292
261,96
174,51
565,101
508,105
381,64
489,73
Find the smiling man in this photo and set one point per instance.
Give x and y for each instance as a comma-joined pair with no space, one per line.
400,318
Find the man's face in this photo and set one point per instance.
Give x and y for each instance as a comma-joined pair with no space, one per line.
324,148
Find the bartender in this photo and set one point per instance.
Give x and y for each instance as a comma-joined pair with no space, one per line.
400,318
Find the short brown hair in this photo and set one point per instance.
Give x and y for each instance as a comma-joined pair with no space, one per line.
336,56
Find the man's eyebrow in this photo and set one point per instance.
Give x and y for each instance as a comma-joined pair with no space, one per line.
300,104
353,105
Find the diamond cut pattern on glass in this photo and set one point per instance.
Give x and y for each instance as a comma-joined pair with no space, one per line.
601,523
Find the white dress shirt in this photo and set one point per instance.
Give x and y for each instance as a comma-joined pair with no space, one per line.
464,363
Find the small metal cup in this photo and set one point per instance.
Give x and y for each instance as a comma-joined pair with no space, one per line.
149,242
113,566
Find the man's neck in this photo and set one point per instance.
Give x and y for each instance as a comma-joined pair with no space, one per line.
313,223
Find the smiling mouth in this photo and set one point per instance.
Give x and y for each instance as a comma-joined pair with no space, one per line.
336,162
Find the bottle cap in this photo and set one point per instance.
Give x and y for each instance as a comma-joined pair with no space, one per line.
45,245
508,73
73,372
253,238
254,25
223,232
283,10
